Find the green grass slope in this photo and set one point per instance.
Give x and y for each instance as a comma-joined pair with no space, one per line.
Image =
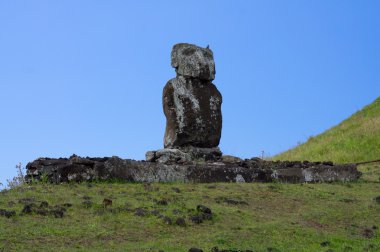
356,139
246,216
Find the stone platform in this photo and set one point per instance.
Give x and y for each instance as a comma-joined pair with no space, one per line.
227,169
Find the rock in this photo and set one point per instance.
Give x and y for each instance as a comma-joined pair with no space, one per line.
192,104
57,213
29,208
253,170
162,202
44,209
6,213
368,233
141,212
184,155
150,156
325,243
107,202
195,250
67,205
231,159
197,219
180,222
155,212
193,113
172,156
193,61
216,249
203,154
204,209
377,199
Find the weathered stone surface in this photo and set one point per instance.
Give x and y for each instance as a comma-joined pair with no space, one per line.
87,169
231,159
193,113
169,156
191,103
193,61
203,154
188,155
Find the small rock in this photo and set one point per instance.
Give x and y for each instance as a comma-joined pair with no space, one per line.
86,197
155,212
377,199
368,233
206,216
141,212
325,243
57,213
67,205
196,219
29,208
231,159
270,249
195,250
7,213
204,209
180,222
150,156
172,156
162,202
239,179
107,202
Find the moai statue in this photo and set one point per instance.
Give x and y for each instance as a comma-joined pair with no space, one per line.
191,102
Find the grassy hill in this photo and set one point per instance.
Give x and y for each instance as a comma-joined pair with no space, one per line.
144,217
355,139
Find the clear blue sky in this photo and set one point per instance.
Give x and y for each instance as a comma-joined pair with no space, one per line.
86,77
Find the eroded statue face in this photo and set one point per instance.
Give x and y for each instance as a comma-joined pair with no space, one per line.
193,61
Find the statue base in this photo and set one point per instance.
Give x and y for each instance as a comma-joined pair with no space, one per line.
227,169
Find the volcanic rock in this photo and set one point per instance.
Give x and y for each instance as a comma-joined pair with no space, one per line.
193,61
191,102
249,170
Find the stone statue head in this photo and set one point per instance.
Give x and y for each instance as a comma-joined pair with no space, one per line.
193,61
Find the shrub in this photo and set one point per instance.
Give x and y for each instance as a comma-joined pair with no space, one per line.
19,179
